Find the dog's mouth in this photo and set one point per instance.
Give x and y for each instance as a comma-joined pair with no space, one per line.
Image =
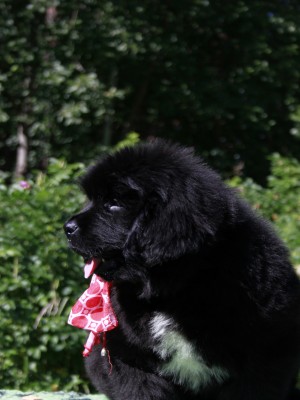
90,266
106,268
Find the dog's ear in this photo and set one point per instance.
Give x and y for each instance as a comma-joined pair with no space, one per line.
166,228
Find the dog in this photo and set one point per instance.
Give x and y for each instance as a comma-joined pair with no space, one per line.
207,301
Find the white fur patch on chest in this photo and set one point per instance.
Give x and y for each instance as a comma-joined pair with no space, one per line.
180,360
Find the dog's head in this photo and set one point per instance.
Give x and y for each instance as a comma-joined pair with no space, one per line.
147,205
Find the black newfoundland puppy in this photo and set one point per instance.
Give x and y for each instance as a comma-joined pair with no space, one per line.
207,301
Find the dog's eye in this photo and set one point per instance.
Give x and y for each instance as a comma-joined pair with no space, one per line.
113,206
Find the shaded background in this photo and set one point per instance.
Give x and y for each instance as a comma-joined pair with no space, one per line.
81,78
222,76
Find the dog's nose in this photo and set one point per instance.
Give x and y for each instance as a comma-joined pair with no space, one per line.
70,228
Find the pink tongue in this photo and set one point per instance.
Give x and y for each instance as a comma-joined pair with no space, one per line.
90,267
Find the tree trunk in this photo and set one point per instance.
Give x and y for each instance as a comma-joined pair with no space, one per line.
22,152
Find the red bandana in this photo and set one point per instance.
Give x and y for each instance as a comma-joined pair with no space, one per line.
93,312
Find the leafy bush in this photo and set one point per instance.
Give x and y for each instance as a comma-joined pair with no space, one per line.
40,280
279,201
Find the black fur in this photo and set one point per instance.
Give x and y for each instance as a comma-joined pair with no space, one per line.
181,243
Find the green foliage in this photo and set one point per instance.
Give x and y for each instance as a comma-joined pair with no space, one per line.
40,279
43,84
279,202
130,139
79,75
